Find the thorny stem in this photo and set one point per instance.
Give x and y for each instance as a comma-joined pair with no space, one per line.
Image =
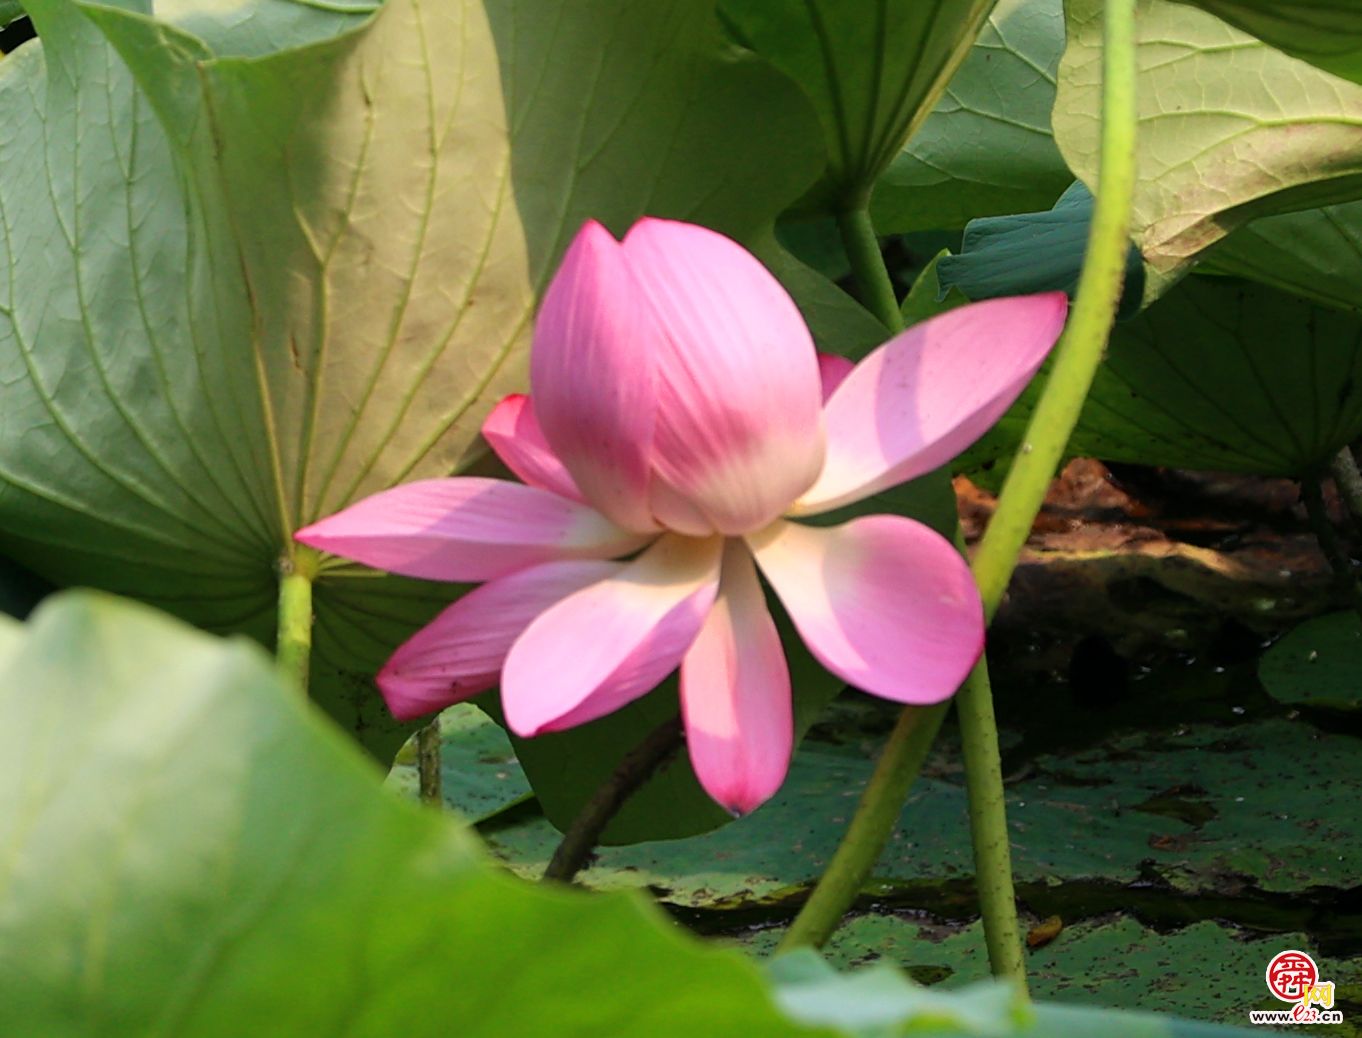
293,644
1076,360
635,769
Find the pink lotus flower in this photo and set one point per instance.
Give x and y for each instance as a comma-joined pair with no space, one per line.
678,409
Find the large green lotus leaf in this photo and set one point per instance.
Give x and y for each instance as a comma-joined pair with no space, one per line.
1217,374
1327,33
192,851
1315,253
220,862
1229,128
264,258
873,70
986,149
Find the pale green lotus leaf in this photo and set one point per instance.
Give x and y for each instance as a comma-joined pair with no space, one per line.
1229,128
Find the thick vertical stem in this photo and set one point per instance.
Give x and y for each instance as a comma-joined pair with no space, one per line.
1076,360
293,645
864,841
867,264
1329,543
1349,482
428,763
988,829
989,837
1084,341
901,758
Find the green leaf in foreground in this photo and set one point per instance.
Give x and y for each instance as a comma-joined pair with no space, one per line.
189,851
881,1000
192,851
1326,33
1317,664
1230,128
986,149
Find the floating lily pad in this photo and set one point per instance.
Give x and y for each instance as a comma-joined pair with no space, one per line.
1317,664
785,842
1266,807
479,773
1206,971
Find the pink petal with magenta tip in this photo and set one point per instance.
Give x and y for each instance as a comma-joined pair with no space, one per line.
739,432
735,693
461,652
884,602
610,643
928,393
467,529
592,373
514,433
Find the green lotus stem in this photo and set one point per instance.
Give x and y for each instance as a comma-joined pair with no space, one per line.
293,646
1349,482
878,812
637,766
867,265
1075,365
1329,543
989,837
428,745
1076,360
901,757
1084,341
